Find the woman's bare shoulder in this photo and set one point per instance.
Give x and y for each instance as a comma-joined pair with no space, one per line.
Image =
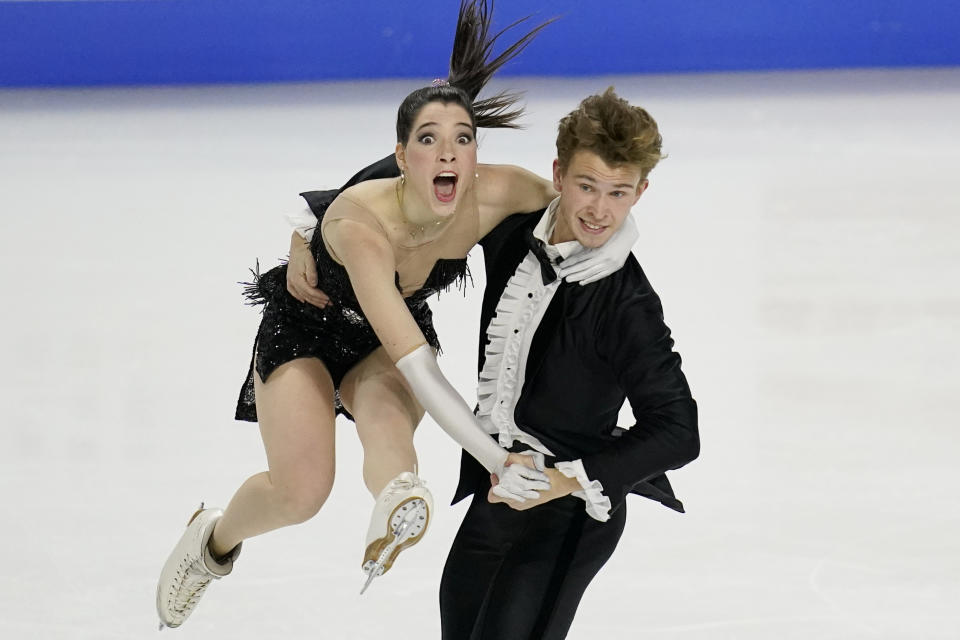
370,194
351,240
371,202
354,222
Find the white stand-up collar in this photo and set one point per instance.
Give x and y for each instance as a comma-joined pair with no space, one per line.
544,231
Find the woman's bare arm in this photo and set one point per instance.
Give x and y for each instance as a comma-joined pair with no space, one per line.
368,258
506,189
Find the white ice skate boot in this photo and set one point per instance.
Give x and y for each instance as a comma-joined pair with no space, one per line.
400,518
189,569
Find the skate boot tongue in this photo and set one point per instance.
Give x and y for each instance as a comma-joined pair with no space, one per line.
403,482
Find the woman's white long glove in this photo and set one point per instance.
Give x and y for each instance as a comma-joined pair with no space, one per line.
591,265
449,410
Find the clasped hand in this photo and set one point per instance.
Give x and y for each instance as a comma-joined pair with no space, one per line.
520,477
549,485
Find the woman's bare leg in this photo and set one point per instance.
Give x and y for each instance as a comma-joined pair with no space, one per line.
296,415
386,413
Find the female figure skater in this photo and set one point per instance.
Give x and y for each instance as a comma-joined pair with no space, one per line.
382,247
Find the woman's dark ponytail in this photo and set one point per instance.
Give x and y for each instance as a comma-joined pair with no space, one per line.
470,70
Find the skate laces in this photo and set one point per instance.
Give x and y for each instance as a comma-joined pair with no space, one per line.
192,580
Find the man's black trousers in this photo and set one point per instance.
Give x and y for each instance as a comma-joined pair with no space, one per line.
519,575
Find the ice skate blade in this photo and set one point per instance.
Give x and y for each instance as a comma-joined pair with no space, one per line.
412,514
373,574
400,541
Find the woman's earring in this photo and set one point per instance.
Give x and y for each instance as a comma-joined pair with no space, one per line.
403,178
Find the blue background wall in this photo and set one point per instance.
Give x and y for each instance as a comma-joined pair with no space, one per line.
205,41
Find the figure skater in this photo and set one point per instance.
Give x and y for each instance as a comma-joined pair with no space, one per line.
383,246
556,363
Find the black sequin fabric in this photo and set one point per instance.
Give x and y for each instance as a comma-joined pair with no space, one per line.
338,334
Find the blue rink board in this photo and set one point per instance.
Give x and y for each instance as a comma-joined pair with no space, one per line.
131,42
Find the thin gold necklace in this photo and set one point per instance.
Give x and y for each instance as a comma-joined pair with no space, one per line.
417,229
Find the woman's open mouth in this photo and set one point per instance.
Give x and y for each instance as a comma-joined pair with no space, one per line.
445,186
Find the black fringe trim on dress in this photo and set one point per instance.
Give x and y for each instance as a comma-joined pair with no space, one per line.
264,285
454,272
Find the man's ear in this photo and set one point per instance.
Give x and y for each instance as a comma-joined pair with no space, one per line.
641,188
557,176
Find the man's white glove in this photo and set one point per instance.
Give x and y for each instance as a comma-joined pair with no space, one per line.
449,410
516,481
591,265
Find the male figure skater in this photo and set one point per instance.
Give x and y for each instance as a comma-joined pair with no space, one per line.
556,361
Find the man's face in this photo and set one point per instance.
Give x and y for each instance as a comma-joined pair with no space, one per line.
595,198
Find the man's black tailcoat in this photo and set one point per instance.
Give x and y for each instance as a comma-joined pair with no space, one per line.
596,345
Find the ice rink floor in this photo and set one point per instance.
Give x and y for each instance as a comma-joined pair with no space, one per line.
804,235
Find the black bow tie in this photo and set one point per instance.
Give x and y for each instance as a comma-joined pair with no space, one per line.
546,266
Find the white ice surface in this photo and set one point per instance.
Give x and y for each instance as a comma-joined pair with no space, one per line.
803,235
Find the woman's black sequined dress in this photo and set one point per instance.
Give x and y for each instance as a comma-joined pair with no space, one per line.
338,334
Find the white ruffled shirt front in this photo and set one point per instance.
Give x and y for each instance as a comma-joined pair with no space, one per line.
521,308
